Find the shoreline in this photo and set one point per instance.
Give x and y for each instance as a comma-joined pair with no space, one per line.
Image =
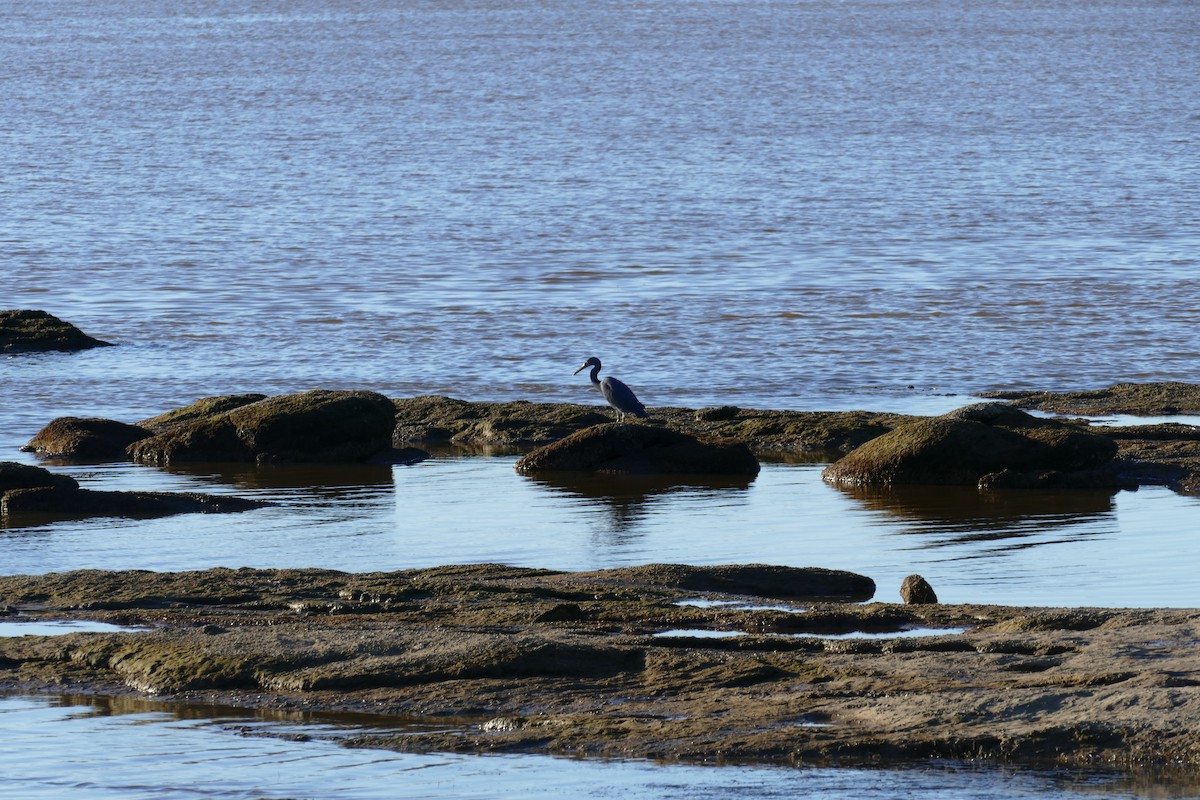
539,661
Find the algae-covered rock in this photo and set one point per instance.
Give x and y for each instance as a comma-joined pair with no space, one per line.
202,409
519,423
1148,399
964,446
314,426
640,450
523,424
88,438
23,476
29,331
72,502
755,580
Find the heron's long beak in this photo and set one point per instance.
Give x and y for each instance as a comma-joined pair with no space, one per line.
581,369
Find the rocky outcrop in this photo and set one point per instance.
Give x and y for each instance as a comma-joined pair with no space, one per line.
86,438
314,426
614,664
637,449
28,490
966,446
29,331
1144,399
521,424
755,580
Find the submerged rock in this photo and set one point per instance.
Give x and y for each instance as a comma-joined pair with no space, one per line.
964,446
30,331
26,489
86,438
314,426
75,502
640,450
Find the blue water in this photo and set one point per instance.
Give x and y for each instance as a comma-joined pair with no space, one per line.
806,204
131,750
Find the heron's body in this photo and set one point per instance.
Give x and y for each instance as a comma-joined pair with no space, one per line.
617,394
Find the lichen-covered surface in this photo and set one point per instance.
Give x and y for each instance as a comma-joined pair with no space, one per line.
543,661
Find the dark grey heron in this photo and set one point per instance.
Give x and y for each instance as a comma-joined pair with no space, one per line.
618,395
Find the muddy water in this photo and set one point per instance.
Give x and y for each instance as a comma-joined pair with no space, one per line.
137,750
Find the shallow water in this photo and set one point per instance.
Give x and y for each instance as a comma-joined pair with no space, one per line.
807,204
1018,548
781,204
135,750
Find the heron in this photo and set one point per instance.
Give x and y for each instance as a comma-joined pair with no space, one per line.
618,395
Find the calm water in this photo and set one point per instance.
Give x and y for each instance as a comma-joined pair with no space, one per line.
131,750
791,204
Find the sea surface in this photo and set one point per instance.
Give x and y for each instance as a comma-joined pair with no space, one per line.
795,204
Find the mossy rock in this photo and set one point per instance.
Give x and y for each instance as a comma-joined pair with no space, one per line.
1147,399
637,449
30,331
202,409
86,438
962,447
316,426
24,476
72,502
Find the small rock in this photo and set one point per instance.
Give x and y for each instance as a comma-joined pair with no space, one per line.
916,591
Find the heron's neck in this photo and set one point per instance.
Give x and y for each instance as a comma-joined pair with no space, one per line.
595,375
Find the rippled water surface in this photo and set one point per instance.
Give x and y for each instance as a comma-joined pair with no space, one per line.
820,204
788,204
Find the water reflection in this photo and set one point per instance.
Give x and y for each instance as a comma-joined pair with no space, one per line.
121,748
323,480
631,499
951,515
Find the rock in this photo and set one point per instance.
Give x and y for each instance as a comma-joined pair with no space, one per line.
522,424
315,426
202,409
755,580
1121,398
27,331
915,591
23,476
640,450
67,502
86,438
963,446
